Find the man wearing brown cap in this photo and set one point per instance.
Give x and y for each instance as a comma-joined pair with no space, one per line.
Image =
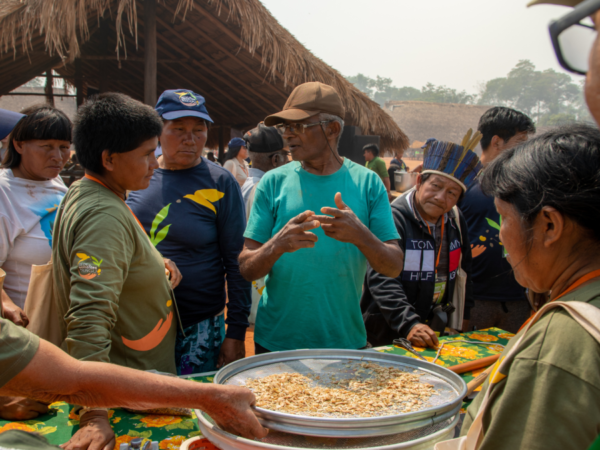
314,279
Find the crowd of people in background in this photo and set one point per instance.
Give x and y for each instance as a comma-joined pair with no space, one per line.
161,258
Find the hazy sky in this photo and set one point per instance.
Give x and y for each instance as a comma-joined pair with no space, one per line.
457,43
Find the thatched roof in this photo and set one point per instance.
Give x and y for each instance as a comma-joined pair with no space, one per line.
231,51
442,121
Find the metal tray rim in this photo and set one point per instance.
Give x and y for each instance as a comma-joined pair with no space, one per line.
327,422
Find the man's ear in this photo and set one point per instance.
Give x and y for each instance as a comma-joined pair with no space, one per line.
108,160
336,129
496,143
419,182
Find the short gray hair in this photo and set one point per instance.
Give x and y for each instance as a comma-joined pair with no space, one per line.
331,117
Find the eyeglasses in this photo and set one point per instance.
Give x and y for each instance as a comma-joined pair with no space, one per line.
297,128
573,37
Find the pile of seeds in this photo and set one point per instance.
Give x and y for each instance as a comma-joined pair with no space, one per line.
374,390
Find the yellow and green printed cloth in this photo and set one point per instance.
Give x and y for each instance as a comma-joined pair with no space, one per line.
171,431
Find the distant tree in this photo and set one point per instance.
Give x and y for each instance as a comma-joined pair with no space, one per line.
381,90
443,94
363,83
548,97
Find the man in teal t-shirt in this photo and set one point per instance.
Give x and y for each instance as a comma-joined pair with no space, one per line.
314,279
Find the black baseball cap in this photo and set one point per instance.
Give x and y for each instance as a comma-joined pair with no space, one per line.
263,139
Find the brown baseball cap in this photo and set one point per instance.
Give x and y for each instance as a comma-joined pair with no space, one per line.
555,2
307,100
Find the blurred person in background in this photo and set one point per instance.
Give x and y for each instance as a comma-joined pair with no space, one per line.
211,157
499,300
265,147
267,152
30,192
235,159
377,165
397,164
8,120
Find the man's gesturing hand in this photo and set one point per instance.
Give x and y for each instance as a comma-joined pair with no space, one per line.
344,226
295,236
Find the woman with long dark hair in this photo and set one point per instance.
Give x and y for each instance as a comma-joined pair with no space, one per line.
30,192
544,392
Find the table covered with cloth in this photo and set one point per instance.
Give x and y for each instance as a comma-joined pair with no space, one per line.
171,431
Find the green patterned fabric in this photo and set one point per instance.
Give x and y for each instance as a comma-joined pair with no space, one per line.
171,431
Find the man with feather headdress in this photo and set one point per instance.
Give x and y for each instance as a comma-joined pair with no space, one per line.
434,289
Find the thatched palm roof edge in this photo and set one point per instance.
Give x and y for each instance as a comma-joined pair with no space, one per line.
65,26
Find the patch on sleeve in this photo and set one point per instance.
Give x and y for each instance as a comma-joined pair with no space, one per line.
88,266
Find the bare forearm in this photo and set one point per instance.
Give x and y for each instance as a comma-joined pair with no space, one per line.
386,258
104,385
257,263
5,300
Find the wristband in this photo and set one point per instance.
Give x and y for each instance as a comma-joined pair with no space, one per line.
85,410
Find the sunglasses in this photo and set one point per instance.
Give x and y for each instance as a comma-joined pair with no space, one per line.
573,37
297,128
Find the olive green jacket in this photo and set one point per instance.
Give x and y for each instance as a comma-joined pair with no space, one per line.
113,298
550,399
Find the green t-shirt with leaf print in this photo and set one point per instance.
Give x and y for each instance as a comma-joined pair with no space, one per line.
112,294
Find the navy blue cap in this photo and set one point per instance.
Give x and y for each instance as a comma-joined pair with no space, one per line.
176,103
8,120
237,142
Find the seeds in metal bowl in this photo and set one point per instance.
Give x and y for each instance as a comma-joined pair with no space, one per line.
374,390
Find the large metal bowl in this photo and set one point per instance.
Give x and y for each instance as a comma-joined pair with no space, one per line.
421,439
449,387
405,180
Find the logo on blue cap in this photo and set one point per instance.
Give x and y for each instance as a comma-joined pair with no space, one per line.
188,98
177,103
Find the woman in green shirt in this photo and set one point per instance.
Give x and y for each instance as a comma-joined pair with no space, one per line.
113,296
547,394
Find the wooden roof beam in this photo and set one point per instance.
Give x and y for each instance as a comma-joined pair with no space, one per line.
204,80
213,99
237,38
177,49
228,52
223,79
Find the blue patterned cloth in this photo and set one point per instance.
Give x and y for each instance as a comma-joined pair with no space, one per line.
198,351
